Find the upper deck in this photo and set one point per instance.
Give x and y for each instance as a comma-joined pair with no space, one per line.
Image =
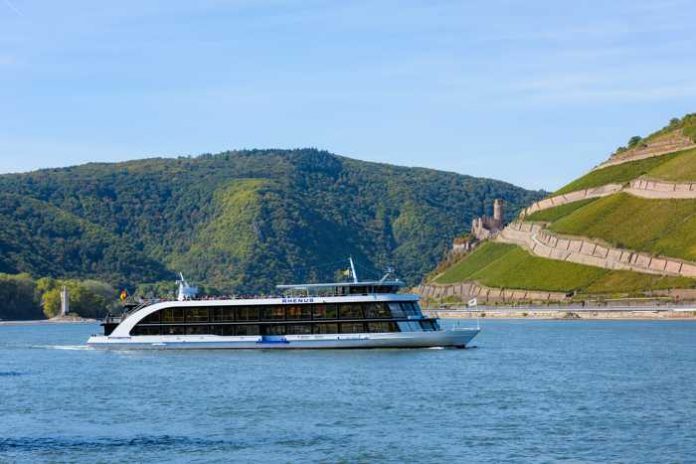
342,288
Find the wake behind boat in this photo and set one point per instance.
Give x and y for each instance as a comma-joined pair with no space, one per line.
368,314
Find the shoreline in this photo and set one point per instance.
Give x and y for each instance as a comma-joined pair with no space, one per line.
566,314
55,320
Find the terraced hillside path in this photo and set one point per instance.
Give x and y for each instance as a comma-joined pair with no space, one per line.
641,187
469,289
540,242
662,145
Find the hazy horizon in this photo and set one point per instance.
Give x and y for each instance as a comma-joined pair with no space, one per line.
531,93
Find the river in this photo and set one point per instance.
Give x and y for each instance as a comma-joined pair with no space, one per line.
529,391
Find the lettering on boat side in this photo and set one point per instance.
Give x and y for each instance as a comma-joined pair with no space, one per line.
298,300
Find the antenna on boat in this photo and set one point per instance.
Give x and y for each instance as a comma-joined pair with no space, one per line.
186,292
390,271
352,270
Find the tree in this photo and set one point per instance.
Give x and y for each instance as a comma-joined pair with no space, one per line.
633,141
89,298
18,297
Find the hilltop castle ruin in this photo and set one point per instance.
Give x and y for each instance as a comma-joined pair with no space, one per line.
482,228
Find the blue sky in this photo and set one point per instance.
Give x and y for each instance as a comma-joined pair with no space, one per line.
531,92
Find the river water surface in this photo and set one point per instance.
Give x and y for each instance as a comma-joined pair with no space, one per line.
531,391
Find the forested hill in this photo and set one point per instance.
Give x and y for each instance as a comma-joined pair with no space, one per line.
239,221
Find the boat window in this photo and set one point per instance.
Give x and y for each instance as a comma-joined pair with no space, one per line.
359,290
197,315
274,329
197,330
352,327
227,330
299,312
222,314
325,311
350,311
409,327
174,330
428,326
330,328
153,318
299,329
396,311
173,315
248,313
382,327
247,329
410,309
377,311
146,330
273,313
218,329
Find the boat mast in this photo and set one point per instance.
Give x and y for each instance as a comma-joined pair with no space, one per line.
352,270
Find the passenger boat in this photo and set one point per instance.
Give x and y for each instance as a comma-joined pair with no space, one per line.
367,314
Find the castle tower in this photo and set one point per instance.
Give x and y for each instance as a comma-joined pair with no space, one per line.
498,211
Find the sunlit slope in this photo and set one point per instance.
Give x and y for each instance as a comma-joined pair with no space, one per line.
661,227
507,266
660,222
679,166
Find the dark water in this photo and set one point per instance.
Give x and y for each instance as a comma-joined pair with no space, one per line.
532,391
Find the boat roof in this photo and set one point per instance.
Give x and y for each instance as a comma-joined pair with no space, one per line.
369,283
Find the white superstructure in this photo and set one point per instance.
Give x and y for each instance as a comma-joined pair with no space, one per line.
334,315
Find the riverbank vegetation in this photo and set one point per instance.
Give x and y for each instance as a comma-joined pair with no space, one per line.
23,297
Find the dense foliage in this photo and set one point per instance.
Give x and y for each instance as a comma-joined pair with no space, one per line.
26,298
240,221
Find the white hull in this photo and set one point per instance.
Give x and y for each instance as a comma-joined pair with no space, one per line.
458,338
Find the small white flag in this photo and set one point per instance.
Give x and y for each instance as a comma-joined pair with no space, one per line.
472,302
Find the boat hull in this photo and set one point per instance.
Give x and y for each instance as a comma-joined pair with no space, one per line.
454,338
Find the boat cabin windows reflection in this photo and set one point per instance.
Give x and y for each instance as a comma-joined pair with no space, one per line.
198,330
299,312
377,311
172,315
380,327
273,313
153,318
350,311
197,315
273,329
174,330
352,327
298,329
329,328
247,313
410,309
222,314
247,329
325,311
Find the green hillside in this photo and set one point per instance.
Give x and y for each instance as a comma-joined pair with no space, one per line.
240,221
508,266
665,167
659,227
662,227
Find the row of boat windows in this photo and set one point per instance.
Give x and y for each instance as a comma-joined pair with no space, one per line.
305,312
277,329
